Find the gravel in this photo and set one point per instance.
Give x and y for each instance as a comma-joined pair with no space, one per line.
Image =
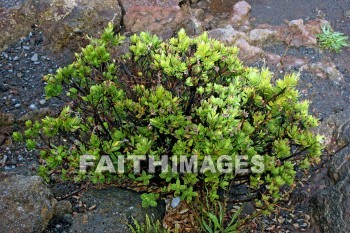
35,57
22,67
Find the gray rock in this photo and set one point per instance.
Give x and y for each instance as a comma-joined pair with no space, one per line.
35,57
26,204
175,202
226,34
17,105
4,55
114,209
304,225
3,160
42,102
33,106
19,75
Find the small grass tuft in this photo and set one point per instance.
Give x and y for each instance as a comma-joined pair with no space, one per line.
147,227
331,40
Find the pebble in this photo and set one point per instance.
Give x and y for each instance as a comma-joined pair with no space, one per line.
35,57
3,160
26,47
17,105
175,202
16,58
42,102
32,106
9,167
303,225
5,55
19,75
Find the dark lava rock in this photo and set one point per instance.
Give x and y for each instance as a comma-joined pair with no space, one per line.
26,204
114,209
331,206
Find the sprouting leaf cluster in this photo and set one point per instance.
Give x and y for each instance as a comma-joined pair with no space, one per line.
329,39
185,96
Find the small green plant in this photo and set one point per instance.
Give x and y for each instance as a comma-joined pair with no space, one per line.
149,200
329,39
187,97
147,227
214,219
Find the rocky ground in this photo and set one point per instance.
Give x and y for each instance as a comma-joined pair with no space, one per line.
40,36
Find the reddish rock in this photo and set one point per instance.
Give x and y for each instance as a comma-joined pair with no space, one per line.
128,4
314,26
240,14
261,36
296,33
247,52
290,62
273,59
162,21
300,35
287,62
325,69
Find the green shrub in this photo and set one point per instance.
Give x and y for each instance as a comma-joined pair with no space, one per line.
186,96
